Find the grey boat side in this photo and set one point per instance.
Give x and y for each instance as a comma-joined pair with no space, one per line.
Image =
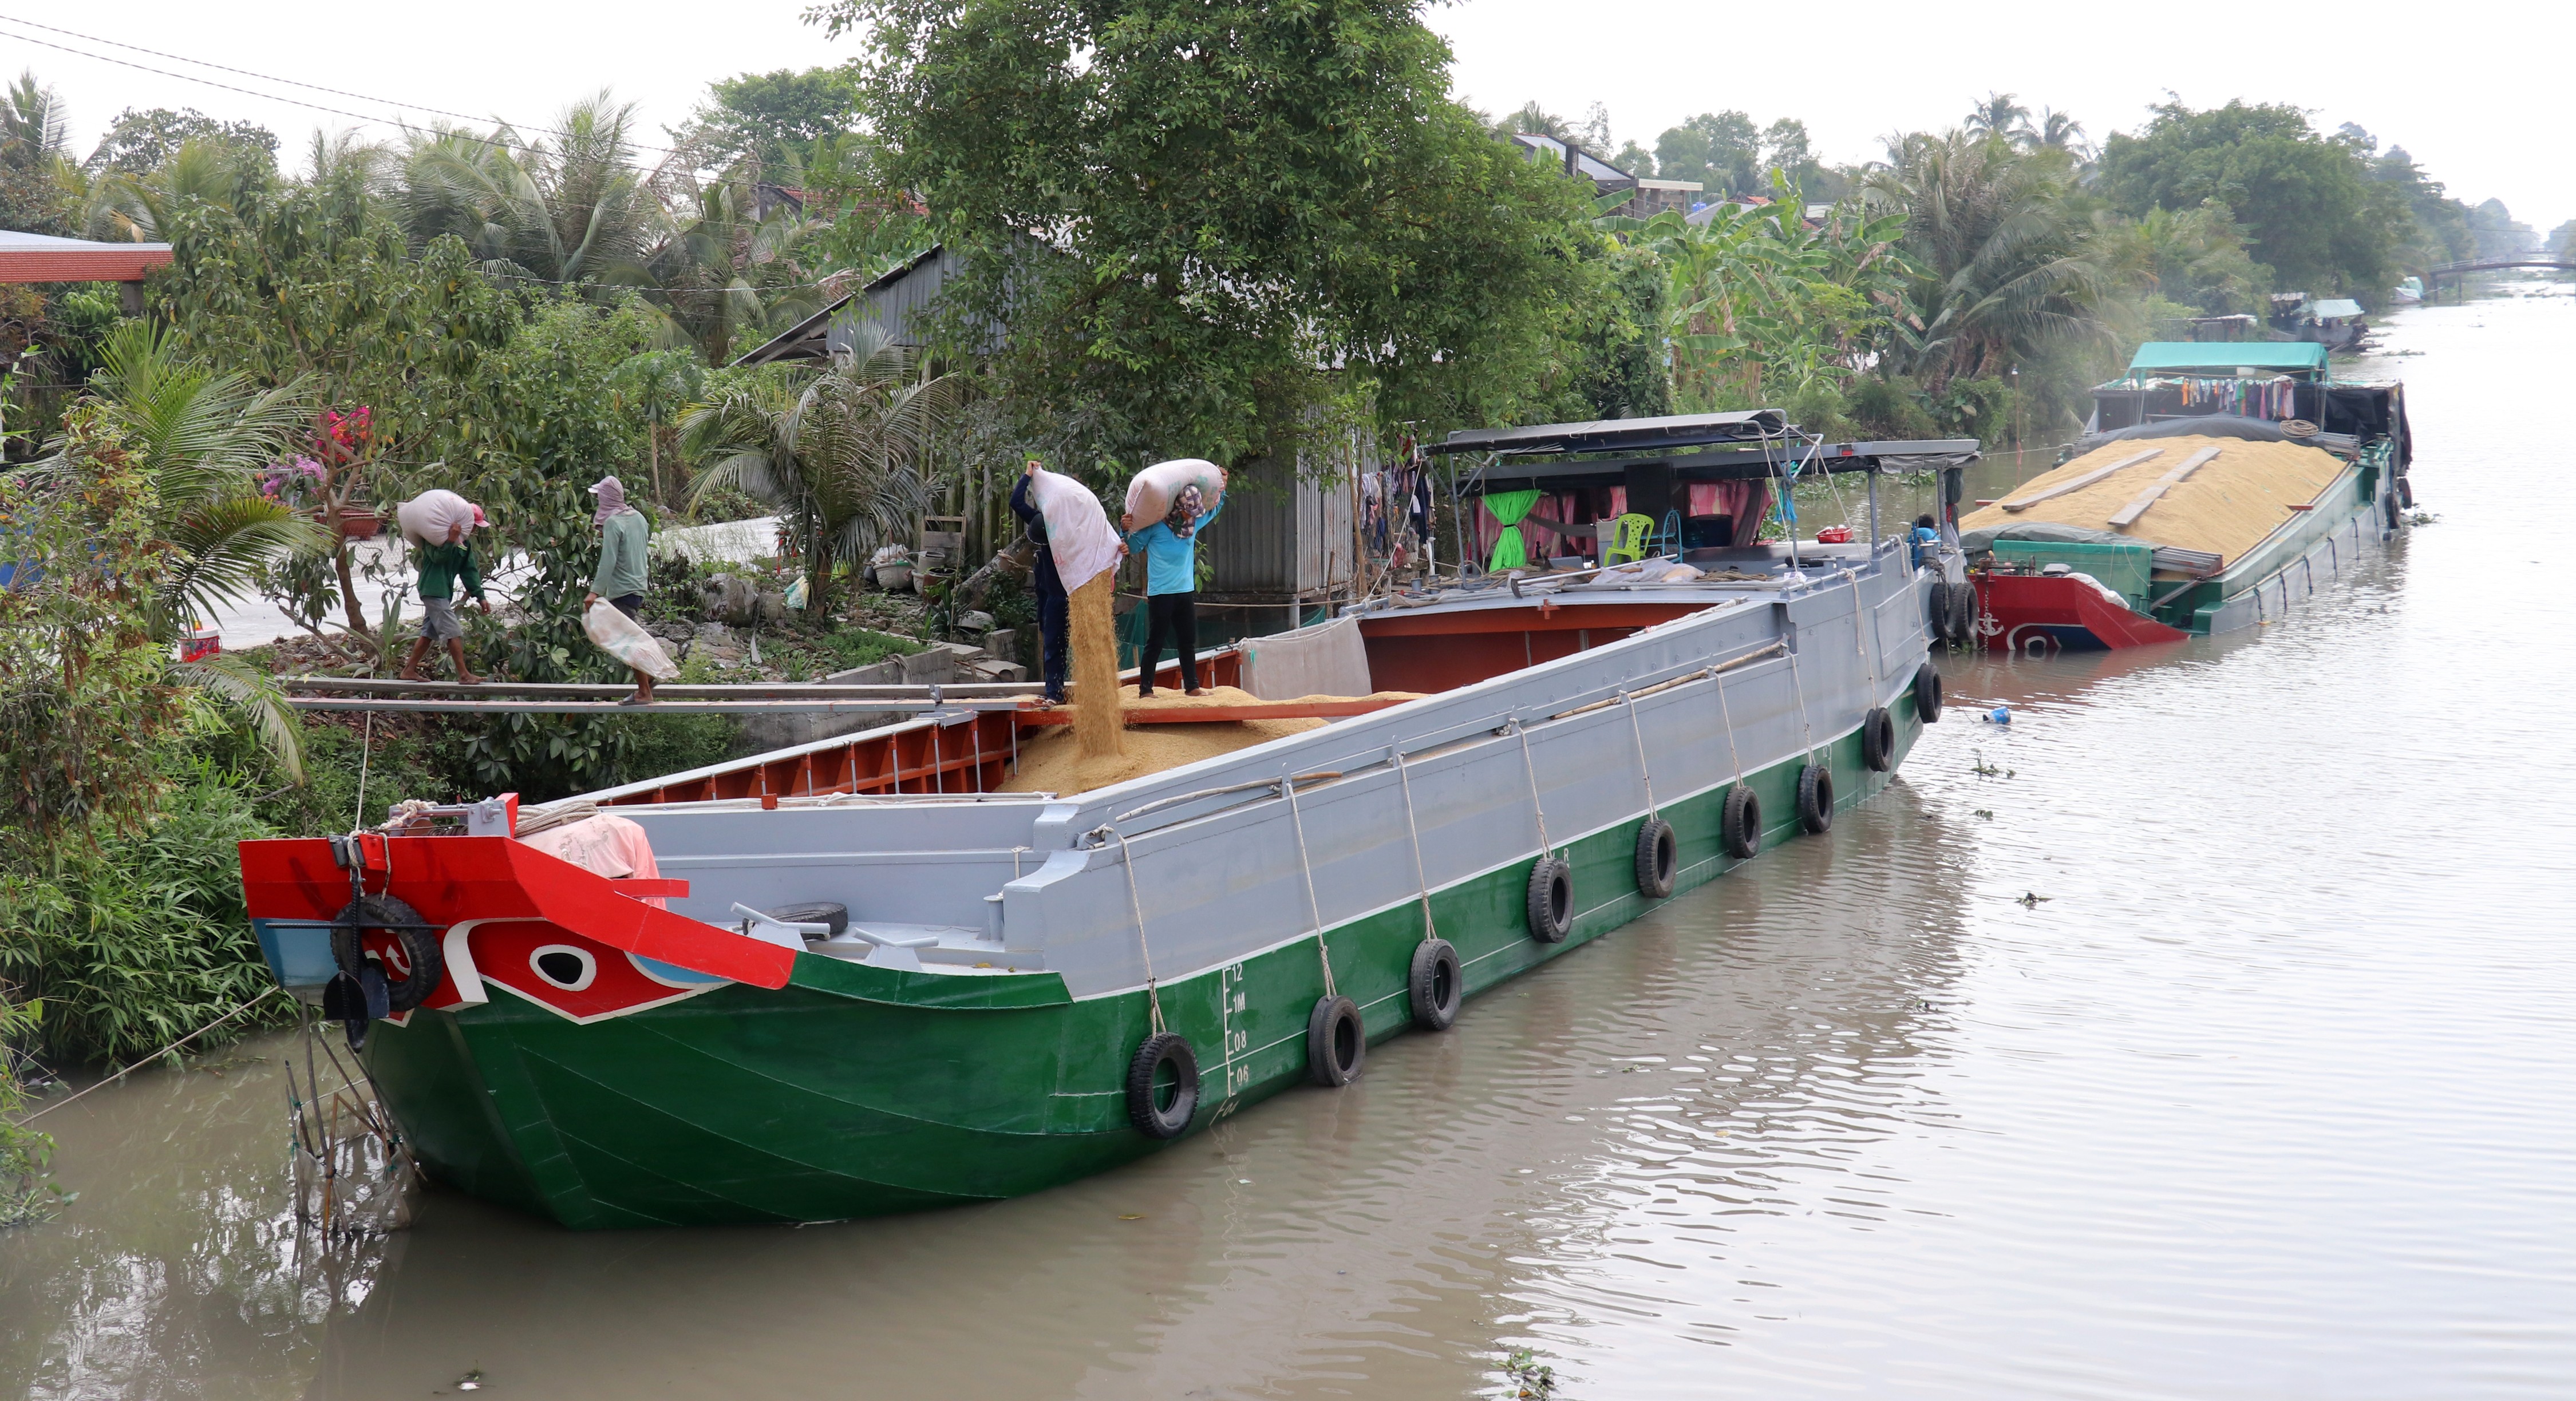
1221,863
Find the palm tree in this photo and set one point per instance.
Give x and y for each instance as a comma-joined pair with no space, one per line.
846,460
570,208
1535,120
202,439
1999,115
2009,269
2059,131
33,149
119,205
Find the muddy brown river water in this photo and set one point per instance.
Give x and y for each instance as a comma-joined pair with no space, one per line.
2271,1093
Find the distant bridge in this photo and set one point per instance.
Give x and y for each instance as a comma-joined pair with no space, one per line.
2523,260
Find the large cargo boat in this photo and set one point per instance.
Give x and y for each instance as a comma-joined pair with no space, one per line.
1028,987
2217,485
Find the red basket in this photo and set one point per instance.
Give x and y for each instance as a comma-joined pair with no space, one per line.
1834,535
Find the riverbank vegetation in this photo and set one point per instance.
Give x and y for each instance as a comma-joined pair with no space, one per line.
1151,256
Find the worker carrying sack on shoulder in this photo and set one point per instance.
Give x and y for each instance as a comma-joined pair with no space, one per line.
623,639
425,519
1078,530
1150,492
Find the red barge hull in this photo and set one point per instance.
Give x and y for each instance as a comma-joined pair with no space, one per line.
2059,613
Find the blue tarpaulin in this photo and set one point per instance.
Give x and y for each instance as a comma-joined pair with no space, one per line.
2225,358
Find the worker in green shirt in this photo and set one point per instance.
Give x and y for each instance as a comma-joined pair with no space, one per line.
624,540
443,561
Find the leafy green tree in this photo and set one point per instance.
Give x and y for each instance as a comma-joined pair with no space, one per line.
1787,148
2498,233
763,117
142,140
315,282
1620,369
85,691
1720,150
2303,199
2441,231
201,440
1201,222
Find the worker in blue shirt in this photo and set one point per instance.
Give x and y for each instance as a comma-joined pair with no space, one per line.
1171,550
1925,533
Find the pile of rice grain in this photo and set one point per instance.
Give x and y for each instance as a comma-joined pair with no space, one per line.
2231,504
1055,762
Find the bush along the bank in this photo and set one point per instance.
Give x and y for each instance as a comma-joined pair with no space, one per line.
136,938
25,1195
120,896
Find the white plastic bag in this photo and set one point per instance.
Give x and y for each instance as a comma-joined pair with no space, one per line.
1078,530
1150,492
621,638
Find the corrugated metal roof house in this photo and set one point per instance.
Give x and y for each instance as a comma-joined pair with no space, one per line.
898,301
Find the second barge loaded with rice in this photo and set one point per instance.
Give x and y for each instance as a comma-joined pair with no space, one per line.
859,976
2217,485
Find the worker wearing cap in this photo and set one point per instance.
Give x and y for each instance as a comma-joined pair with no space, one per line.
441,527
624,542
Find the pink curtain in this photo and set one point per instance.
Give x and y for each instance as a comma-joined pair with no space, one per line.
1747,502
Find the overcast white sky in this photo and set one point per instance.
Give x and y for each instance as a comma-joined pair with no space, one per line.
2481,109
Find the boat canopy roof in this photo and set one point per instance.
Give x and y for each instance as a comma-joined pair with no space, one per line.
1748,445
1622,434
2225,358
2338,306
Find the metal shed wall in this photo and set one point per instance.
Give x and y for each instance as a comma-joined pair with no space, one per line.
901,305
1283,540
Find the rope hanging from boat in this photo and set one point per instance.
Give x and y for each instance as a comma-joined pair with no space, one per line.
1323,954
1861,607
155,1056
1644,772
1421,878
1728,720
1153,993
1544,846
1803,722
366,751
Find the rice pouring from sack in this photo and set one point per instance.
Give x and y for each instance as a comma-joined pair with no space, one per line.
1098,718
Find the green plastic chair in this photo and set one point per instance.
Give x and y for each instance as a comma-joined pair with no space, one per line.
1627,538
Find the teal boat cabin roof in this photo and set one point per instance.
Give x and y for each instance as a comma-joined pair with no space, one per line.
2305,359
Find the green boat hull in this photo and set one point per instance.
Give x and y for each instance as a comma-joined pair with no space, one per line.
857,1090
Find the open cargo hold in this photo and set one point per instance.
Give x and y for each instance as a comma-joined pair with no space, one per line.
1022,988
